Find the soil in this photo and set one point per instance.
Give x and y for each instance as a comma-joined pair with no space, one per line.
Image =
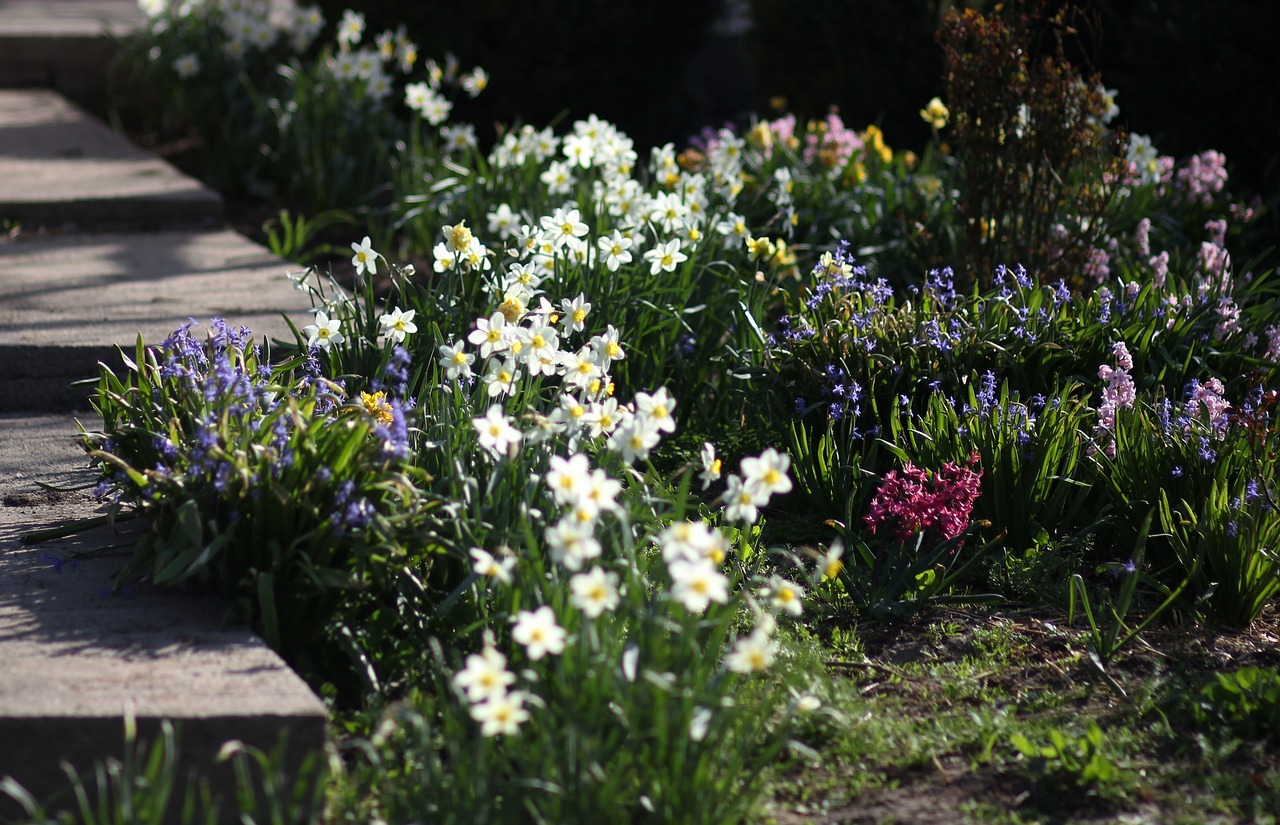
1049,663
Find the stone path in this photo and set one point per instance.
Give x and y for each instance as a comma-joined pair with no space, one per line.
110,243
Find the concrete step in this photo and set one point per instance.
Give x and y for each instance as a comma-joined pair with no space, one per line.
67,299
61,167
76,653
66,45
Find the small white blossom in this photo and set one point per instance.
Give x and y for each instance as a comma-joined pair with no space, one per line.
324,332
594,592
501,714
538,632
365,259
485,675
752,653
695,584
497,435
397,324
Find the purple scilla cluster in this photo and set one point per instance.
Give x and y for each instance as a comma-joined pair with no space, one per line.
394,437
1204,419
394,380
842,394
986,395
932,333
183,353
940,284
350,512
795,328
214,368
1007,280
834,279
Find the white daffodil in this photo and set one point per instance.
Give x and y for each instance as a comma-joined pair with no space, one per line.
456,362
831,563
187,66
568,478
784,596
656,409
538,632
634,440
594,592
768,473
664,257
501,714
486,564
324,332
602,417
485,675
710,465
572,542
696,584
601,490
365,259
752,653
397,324
692,541
491,335
580,368
741,502
608,346
575,313
502,221
500,377
474,82
496,431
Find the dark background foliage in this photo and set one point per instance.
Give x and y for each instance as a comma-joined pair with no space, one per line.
1192,74
632,62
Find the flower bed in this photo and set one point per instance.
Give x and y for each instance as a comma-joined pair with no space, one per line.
565,517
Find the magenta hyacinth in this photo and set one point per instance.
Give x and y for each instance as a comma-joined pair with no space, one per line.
917,500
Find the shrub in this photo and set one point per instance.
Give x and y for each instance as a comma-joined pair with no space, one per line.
1037,166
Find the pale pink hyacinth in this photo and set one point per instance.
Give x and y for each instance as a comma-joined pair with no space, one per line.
1159,269
1142,237
1207,396
1098,267
1273,342
1228,319
1204,176
1119,391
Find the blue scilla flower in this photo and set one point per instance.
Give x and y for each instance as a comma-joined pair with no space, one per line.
1001,279
941,284
184,347
880,292
223,336
1061,294
394,436
1164,414
932,334
986,395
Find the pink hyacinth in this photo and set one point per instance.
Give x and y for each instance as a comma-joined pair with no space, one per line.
1204,176
1208,397
915,500
1273,342
1118,392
